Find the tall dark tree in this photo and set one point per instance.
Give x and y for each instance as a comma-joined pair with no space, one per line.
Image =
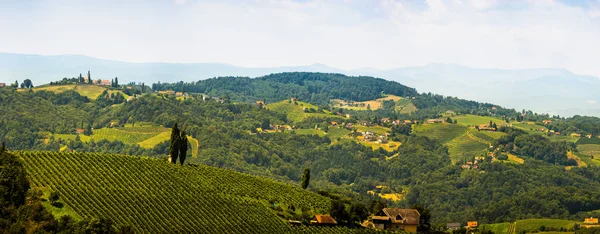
89,77
424,220
338,211
116,82
13,181
174,148
305,178
183,146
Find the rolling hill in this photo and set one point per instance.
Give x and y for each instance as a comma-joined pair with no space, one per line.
155,196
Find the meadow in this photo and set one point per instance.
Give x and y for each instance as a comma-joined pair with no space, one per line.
295,113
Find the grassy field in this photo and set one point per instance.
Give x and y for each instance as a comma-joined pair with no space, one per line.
442,132
584,141
590,153
295,113
90,91
472,120
530,225
513,158
405,106
390,146
145,135
563,138
497,228
310,132
467,146
335,133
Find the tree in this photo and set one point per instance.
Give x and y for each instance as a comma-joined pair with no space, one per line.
174,147
28,83
22,85
266,124
13,181
424,221
15,85
338,211
358,212
54,196
305,178
448,120
116,82
183,146
89,77
2,147
88,130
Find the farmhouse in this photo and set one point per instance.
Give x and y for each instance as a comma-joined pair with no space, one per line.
79,131
2,84
385,120
407,121
485,127
333,123
323,220
260,103
432,121
396,219
104,82
472,225
575,135
546,121
590,220
588,135
453,226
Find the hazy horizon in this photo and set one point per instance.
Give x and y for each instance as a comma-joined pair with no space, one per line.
348,35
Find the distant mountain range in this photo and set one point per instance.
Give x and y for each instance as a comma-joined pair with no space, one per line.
554,91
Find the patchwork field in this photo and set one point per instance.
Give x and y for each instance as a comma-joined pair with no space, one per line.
589,153
90,91
443,132
531,225
466,147
403,105
497,228
472,120
295,113
146,136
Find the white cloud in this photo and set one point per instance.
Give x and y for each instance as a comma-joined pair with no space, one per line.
346,33
591,102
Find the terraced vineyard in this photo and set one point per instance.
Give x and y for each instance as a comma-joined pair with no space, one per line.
154,196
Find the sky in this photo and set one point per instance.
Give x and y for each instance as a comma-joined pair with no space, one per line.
346,34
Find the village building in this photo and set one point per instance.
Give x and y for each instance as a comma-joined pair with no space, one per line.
588,135
396,219
323,220
432,121
348,116
575,135
260,103
104,82
590,220
2,84
472,225
333,123
407,121
486,127
349,126
546,121
385,120
453,226
130,98
79,131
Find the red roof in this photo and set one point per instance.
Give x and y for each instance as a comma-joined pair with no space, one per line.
80,130
325,219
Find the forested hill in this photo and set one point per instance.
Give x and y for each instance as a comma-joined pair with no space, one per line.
317,88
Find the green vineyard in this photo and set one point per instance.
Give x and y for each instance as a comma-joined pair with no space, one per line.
154,196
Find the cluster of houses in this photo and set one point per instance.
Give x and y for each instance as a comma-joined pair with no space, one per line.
371,136
471,225
392,219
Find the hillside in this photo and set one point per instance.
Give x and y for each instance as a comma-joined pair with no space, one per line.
148,193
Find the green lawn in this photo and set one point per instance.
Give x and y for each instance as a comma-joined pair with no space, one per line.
497,228
589,153
295,113
472,120
335,133
530,225
310,132
442,131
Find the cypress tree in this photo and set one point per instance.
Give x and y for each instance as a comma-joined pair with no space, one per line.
183,146
305,178
89,77
174,149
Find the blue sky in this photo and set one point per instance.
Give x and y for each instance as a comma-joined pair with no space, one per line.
348,34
